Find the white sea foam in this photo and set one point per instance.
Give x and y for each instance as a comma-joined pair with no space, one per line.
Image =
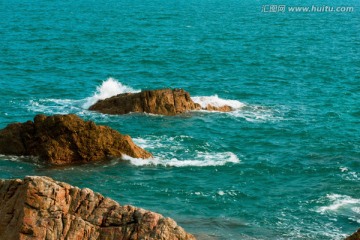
201,160
108,88
22,159
215,101
338,202
55,106
157,142
165,149
356,210
349,175
251,113
256,113
111,87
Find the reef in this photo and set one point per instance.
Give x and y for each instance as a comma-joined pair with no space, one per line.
66,139
161,101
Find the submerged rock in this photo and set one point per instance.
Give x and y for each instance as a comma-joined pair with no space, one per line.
354,236
161,101
64,139
41,208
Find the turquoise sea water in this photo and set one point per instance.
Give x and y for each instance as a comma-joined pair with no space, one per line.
284,165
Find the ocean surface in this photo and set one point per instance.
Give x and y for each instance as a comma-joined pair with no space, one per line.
284,165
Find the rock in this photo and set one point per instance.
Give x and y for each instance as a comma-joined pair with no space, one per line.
41,208
225,108
162,101
354,236
64,139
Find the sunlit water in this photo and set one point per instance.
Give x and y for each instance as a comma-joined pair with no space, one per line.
284,165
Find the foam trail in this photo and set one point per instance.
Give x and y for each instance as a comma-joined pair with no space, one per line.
338,201
251,113
201,160
54,106
215,101
108,88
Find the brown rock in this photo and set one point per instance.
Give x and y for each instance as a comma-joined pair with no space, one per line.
354,236
41,208
64,139
225,108
162,101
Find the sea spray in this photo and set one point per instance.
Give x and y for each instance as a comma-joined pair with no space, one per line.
110,87
215,101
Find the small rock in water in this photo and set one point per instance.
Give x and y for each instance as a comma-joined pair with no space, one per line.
65,139
161,101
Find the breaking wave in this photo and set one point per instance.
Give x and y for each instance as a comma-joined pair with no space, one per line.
217,102
110,87
343,205
165,149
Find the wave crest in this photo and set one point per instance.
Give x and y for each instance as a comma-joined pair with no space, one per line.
215,101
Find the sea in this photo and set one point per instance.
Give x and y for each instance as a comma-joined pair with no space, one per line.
285,164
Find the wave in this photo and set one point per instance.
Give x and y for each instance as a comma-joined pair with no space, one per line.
163,142
21,159
349,175
166,151
338,202
55,106
215,101
250,113
203,159
256,113
110,87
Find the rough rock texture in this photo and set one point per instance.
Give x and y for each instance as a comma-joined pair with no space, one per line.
162,101
354,236
64,139
41,208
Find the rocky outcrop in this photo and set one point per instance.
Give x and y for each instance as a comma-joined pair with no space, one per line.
354,236
163,101
64,139
41,208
